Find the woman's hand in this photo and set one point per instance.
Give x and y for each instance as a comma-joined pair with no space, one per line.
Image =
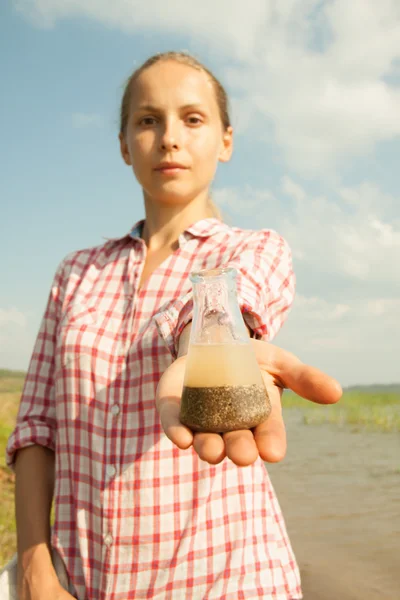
38,581
280,369
55,592
61,594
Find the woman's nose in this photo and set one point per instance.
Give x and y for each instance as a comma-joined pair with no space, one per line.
170,136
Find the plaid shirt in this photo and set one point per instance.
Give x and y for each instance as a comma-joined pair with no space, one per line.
135,516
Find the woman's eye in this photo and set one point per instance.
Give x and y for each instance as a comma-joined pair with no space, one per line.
195,120
145,121
148,121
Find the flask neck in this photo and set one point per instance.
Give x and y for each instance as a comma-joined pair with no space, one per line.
217,318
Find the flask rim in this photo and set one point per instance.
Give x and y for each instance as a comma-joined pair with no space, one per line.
217,273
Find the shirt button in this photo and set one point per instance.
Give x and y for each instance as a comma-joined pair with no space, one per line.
115,409
111,471
108,539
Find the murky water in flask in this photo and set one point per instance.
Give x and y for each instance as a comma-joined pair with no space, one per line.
223,387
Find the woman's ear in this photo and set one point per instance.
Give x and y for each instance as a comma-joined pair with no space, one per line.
124,150
227,145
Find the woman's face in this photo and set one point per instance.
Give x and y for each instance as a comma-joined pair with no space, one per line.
174,117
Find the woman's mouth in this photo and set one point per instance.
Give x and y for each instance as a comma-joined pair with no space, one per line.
170,170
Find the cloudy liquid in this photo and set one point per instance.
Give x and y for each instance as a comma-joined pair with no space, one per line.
223,389
209,365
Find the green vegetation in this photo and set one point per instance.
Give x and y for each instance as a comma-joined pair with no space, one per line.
10,390
368,408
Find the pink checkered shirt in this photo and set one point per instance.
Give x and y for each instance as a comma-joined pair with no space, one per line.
135,516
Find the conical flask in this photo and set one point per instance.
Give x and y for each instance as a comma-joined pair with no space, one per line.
223,387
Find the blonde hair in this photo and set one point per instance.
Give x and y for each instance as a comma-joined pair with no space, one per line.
185,59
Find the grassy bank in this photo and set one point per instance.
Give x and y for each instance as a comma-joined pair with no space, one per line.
10,390
362,410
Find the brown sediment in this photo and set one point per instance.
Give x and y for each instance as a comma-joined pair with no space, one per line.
219,409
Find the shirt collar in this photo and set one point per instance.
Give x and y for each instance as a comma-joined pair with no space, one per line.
203,228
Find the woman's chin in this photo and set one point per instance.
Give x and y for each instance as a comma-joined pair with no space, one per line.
170,196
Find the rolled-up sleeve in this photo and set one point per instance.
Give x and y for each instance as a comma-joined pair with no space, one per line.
36,422
265,284
171,322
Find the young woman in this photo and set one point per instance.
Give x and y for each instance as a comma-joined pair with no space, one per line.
144,508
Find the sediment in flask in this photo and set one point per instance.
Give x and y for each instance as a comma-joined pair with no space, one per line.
224,408
223,389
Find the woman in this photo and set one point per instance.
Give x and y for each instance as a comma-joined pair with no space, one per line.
141,514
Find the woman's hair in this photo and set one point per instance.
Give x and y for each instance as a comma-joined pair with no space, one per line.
185,59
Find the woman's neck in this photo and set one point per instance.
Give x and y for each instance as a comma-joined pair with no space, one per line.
164,224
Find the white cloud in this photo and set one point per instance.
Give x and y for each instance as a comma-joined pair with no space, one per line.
388,307
16,340
80,120
360,240
346,248
318,72
354,233
319,78
356,342
12,316
318,309
232,24
243,201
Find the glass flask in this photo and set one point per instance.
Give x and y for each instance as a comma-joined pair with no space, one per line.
223,387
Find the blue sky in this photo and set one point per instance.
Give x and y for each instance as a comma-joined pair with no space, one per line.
316,110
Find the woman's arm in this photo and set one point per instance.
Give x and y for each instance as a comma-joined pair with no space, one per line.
34,486
30,453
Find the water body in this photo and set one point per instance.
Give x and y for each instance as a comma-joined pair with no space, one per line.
339,490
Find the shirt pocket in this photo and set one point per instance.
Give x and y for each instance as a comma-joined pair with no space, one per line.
88,346
89,354
88,360
85,332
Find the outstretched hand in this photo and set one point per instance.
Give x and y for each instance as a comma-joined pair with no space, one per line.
280,369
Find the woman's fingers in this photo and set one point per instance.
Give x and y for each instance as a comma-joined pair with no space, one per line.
306,381
210,447
168,401
312,384
270,436
240,447
179,434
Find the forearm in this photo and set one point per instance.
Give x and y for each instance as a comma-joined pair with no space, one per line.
34,487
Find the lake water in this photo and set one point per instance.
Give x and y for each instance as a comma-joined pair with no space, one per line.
340,494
